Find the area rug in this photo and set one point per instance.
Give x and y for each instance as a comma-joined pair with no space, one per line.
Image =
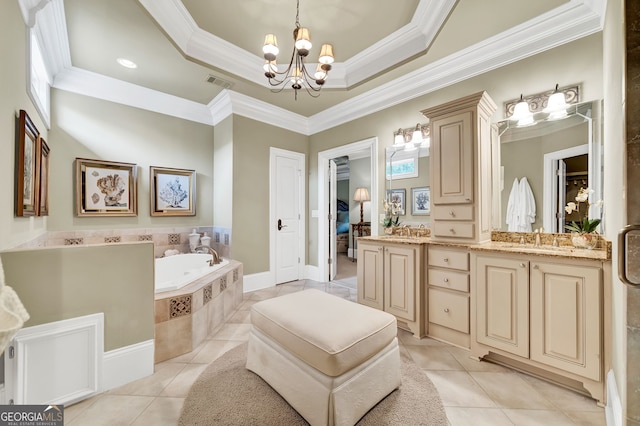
226,393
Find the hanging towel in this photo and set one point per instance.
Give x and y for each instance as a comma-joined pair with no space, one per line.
526,206
12,312
512,207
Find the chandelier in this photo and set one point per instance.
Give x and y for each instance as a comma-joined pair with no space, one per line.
296,73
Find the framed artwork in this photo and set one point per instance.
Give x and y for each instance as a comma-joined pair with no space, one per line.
398,196
421,201
43,177
26,185
106,188
173,191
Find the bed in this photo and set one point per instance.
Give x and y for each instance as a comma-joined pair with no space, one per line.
342,227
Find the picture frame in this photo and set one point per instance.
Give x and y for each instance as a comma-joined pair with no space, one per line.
43,177
26,183
105,188
421,201
173,191
398,195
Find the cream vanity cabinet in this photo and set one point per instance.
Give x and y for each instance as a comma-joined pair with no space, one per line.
448,294
545,314
460,168
390,277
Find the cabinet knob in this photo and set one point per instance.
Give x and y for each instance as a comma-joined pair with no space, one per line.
446,259
379,248
468,199
446,280
522,265
451,213
535,266
453,231
446,310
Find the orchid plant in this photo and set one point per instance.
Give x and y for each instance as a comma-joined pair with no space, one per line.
392,211
586,225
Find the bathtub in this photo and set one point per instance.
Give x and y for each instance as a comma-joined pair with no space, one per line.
174,272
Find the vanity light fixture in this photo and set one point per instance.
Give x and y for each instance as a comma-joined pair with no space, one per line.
398,138
556,106
412,138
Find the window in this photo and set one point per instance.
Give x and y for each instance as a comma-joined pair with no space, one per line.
39,86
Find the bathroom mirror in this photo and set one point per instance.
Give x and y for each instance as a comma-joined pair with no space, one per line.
557,158
407,176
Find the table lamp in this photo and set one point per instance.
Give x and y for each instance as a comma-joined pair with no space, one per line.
362,195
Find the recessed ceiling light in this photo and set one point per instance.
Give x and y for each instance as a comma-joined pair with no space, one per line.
127,63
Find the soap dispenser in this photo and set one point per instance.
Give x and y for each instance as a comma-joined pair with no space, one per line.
206,240
194,240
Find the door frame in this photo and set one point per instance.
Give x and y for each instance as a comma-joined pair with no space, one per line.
301,158
370,144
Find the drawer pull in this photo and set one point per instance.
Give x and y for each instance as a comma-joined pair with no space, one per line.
446,280
453,231
446,310
522,265
451,213
446,259
535,266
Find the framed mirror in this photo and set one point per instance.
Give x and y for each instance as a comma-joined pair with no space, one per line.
557,158
407,170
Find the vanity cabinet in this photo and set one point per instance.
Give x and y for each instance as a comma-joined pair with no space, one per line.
448,295
543,314
390,278
460,168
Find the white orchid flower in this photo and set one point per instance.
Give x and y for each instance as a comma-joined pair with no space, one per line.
571,207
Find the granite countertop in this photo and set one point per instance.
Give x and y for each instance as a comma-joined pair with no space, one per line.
500,246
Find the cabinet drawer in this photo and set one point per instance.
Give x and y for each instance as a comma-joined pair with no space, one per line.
448,258
449,279
452,229
452,212
449,309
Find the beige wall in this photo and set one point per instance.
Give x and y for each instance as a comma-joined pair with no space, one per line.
251,144
576,62
84,127
69,282
223,173
13,98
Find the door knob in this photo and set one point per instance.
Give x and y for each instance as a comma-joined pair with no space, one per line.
280,225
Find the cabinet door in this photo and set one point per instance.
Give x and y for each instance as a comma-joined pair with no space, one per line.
370,277
400,281
452,159
502,304
565,317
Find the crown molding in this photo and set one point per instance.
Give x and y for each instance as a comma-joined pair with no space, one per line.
95,85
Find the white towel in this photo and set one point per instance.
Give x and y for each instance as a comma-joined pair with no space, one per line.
526,206
13,315
512,207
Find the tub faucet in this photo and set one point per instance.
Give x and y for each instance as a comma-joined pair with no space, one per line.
215,260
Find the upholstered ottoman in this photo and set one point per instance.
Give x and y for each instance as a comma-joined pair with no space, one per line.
331,359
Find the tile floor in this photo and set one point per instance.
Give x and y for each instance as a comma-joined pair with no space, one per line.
473,393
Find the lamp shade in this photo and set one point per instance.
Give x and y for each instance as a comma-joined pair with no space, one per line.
362,194
326,54
556,103
270,48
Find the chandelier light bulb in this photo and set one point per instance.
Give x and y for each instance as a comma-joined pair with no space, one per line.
270,48
320,74
270,68
303,41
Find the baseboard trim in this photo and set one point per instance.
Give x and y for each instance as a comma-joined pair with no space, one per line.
124,365
257,281
314,273
613,409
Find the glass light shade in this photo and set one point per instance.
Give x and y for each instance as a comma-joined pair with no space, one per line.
556,103
362,194
270,48
320,73
521,111
526,121
303,41
326,54
398,138
416,137
270,67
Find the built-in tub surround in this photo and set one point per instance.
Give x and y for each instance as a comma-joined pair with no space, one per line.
185,317
175,272
163,239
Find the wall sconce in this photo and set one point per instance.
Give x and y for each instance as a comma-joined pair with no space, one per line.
412,137
553,102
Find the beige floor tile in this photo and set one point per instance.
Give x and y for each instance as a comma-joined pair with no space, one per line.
458,389
163,411
151,385
509,390
73,411
464,416
563,399
240,317
213,349
462,356
112,410
247,304
433,358
587,418
180,385
264,294
228,331
538,417
407,338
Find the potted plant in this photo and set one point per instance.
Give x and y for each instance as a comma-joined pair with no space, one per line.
392,212
584,233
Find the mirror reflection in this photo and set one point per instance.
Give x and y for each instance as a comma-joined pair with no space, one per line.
543,166
407,172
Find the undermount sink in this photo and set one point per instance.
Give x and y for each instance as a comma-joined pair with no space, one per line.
535,249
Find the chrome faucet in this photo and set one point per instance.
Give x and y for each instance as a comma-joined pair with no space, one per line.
538,231
215,259
407,229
